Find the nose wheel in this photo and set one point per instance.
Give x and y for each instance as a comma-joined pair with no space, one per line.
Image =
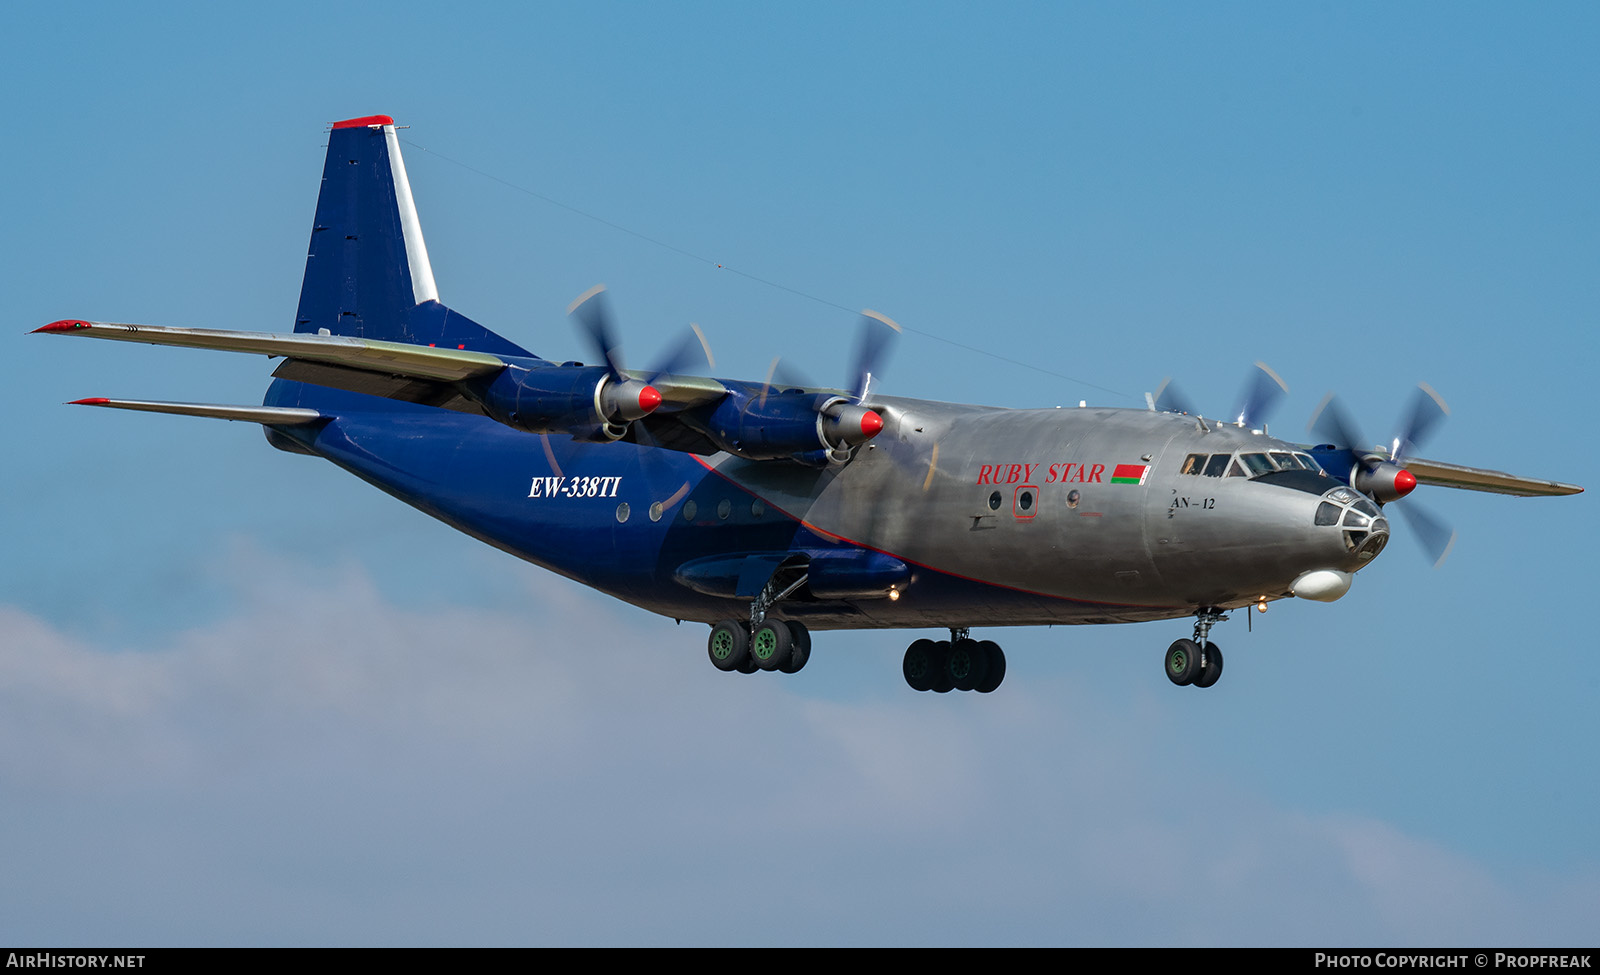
1197,661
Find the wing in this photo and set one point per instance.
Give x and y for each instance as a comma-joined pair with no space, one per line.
1480,479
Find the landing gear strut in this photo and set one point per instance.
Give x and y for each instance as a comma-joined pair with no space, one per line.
959,663
762,643
1197,661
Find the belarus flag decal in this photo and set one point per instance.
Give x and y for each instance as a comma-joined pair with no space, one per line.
1130,473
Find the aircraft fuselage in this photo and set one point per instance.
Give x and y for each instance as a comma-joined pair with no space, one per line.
999,517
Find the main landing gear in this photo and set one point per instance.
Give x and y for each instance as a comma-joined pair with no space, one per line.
1197,661
783,645
959,663
762,643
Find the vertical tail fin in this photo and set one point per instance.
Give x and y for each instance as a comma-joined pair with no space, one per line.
367,269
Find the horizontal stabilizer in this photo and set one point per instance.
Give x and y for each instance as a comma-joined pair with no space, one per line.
275,416
372,355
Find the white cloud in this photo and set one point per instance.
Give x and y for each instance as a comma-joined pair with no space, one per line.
325,766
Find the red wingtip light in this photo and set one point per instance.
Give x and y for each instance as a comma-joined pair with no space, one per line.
364,121
65,325
91,401
871,423
1404,483
649,399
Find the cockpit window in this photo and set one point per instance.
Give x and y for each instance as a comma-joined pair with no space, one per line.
1258,463
1251,464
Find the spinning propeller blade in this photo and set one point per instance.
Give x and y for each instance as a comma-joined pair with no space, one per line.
1262,393
1428,410
593,318
1169,399
1333,425
877,332
1435,537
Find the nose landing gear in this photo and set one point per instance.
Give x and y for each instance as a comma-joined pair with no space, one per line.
1197,661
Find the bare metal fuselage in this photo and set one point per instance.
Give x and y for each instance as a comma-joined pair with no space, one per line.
1018,516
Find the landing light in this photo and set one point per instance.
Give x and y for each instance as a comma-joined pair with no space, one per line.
1261,605
894,594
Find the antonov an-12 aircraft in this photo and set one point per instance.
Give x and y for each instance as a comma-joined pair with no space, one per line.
768,510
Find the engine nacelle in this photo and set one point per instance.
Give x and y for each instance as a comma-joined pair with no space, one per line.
813,428
582,401
1383,482
864,575
1379,479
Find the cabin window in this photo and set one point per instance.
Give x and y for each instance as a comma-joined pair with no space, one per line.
1025,499
994,501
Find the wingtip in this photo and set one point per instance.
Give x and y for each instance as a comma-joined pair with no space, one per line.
91,401
65,325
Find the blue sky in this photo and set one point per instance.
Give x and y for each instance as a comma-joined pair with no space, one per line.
247,699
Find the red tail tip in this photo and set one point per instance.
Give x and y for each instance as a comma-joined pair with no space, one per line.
1404,483
649,399
871,423
91,401
65,325
363,121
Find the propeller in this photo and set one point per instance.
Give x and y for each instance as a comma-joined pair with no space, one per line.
1169,399
877,333
1383,478
1263,390
622,397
